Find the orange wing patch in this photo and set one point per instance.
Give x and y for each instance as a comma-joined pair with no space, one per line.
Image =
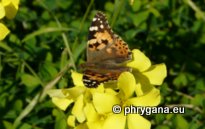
100,41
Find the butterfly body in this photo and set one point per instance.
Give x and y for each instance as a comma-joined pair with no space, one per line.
106,53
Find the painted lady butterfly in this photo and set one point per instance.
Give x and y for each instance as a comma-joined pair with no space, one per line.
106,53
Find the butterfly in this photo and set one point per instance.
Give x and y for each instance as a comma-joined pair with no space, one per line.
106,53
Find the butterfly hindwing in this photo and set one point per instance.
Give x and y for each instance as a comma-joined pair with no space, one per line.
92,79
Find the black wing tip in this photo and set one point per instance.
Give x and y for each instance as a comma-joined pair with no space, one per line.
99,24
100,13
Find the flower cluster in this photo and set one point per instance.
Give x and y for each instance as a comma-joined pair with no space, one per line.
93,106
8,9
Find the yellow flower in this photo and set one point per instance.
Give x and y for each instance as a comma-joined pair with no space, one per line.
79,94
11,7
2,11
8,9
146,75
93,107
104,102
3,31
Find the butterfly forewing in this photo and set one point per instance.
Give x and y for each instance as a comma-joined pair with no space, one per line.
100,36
105,52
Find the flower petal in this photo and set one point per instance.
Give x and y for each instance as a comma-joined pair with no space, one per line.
77,110
81,126
150,99
95,125
110,91
77,78
142,81
138,90
90,112
3,31
2,11
135,121
59,99
126,83
116,121
140,61
99,89
104,102
56,93
11,8
74,92
6,2
16,2
71,121
156,74
62,103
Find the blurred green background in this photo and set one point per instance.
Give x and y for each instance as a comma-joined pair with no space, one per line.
48,35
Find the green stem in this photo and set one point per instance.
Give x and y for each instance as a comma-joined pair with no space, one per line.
53,82
86,15
83,20
199,13
118,6
66,43
26,111
41,96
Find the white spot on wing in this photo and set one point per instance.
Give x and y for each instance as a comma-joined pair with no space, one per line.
86,80
101,26
92,28
94,19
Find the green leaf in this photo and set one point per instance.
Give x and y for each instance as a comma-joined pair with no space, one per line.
109,6
48,71
160,118
198,100
46,30
64,3
60,120
136,5
180,122
131,33
155,12
30,80
8,125
180,80
200,84
139,19
26,126
18,105
5,47
52,4
162,127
